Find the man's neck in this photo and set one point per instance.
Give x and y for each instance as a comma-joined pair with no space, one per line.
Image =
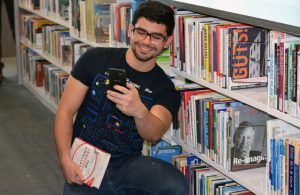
142,66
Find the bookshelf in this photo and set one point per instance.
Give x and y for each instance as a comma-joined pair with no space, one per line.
266,16
50,14
246,12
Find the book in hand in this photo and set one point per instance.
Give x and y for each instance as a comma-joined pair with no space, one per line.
91,160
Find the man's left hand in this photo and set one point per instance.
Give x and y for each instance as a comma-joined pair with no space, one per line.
128,100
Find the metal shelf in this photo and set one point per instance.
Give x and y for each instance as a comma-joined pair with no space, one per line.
252,179
274,15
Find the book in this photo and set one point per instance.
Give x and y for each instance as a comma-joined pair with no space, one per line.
164,151
63,8
102,22
91,160
248,137
246,57
278,131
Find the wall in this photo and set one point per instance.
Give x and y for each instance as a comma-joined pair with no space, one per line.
7,42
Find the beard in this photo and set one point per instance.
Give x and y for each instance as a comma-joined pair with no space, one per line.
145,55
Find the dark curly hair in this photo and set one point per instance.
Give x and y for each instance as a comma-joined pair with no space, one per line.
155,12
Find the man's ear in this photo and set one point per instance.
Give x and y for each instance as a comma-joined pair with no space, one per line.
129,32
168,42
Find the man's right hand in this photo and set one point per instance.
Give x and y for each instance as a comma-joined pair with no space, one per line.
72,172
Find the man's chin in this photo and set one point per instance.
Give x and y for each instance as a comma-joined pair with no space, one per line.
143,57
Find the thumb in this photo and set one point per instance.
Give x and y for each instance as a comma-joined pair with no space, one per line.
79,173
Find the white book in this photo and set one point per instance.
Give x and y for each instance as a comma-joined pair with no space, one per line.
91,160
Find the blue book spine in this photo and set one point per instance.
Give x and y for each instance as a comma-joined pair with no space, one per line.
273,163
298,183
291,169
202,187
278,165
205,131
271,172
281,160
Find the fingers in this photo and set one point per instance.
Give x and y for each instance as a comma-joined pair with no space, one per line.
74,175
75,180
121,89
114,97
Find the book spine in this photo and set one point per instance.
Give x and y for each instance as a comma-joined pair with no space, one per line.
206,52
298,81
293,103
271,74
281,78
287,86
291,169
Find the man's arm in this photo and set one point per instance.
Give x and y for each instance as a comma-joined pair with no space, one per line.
151,124
70,102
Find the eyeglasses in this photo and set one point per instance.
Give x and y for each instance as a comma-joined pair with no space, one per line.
155,38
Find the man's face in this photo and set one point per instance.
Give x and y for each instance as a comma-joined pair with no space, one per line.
147,48
243,142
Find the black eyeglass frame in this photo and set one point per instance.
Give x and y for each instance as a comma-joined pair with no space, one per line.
150,34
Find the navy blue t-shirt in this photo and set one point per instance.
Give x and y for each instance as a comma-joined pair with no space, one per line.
98,121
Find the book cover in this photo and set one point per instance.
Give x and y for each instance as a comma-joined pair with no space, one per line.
248,136
92,161
102,21
164,151
247,56
248,49
63,8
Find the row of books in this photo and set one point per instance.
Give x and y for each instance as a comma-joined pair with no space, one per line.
202,179
57,41
205,180
50,79
283,158
55,8
54,40
230,55
217,126
31,28
284,79
101,21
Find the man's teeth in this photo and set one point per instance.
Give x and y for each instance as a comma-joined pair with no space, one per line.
145,48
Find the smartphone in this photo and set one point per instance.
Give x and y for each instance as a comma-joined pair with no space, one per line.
116,77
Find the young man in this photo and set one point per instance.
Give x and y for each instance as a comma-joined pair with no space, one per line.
119,121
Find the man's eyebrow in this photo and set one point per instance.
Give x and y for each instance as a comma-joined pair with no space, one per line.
158,33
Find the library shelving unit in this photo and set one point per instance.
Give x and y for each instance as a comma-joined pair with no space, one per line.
53,17
273,15
276,15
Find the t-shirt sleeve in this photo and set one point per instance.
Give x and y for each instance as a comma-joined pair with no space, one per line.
170,99
82,68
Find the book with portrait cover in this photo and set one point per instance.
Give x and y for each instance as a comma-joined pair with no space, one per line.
247,135
102,22
63,8
91,160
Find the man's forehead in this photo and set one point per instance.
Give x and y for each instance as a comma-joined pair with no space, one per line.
151,26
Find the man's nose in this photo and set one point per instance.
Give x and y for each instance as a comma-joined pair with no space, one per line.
243,141
147,39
